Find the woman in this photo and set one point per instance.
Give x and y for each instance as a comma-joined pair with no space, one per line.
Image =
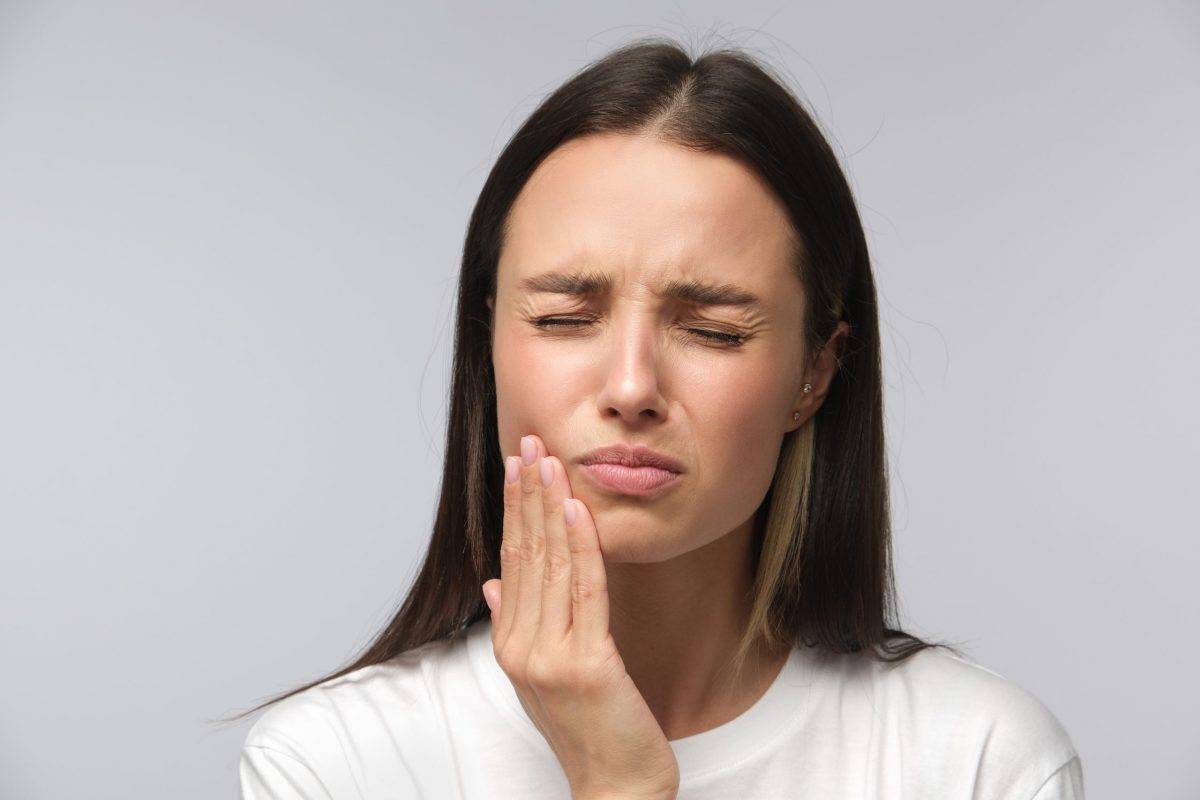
666,470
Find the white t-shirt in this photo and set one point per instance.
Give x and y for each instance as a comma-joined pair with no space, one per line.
443,721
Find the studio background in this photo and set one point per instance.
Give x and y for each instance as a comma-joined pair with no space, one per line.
229,243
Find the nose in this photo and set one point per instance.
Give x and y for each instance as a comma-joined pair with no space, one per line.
632,389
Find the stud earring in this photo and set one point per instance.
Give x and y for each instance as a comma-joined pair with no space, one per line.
807,389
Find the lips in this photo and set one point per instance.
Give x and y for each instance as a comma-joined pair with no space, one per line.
632,470
639,481
632,456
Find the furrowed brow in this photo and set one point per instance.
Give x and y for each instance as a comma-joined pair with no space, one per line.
577,284
696,292
703,293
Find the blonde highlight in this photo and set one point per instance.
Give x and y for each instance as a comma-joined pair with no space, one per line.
783,532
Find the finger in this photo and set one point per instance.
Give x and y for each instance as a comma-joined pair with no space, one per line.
510,550
533,546
510,547
556,571
589,580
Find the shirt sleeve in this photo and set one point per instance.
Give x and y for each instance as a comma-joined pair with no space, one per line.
1065,784
267,774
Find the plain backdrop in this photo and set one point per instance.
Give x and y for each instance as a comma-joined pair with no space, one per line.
230,236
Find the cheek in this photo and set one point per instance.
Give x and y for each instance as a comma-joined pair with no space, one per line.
535,390
733,405
738,419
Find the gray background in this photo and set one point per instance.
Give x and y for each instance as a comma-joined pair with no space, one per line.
229,243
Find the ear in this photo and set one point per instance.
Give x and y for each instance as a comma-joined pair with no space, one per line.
491,303
820,373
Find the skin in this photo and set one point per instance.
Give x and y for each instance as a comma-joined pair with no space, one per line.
645,211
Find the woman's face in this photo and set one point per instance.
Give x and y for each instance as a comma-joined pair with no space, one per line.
636,369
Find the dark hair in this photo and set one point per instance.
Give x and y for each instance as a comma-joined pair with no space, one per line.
822,541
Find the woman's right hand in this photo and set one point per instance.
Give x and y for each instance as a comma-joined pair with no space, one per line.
550,636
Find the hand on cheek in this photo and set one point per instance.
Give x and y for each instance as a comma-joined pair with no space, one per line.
550,635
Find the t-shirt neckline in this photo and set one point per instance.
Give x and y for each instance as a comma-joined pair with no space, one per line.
773,715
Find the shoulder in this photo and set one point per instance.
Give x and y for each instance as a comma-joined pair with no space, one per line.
990,724
966,693
328,732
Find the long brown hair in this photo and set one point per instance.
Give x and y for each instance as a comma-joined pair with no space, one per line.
823,571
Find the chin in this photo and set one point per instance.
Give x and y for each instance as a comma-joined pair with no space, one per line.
635,542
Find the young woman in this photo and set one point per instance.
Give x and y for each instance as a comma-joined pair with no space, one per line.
661,561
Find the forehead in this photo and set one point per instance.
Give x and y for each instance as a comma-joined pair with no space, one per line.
647,211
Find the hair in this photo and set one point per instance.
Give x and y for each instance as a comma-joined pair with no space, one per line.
822,534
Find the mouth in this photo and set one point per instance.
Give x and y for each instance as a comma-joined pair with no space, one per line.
643,481
632,470
633,456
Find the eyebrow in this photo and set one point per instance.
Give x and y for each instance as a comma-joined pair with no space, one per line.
691,290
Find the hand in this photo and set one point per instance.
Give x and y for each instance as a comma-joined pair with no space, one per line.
550,636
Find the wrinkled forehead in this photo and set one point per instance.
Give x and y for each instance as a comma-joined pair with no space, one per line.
646,213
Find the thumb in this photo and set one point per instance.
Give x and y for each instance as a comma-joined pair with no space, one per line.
491,596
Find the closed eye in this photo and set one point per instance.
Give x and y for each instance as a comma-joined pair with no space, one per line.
725,339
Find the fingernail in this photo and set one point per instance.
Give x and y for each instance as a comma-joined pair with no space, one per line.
528,450
512,469
547,472
569,510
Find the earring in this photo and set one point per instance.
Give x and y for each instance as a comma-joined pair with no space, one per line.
807,389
